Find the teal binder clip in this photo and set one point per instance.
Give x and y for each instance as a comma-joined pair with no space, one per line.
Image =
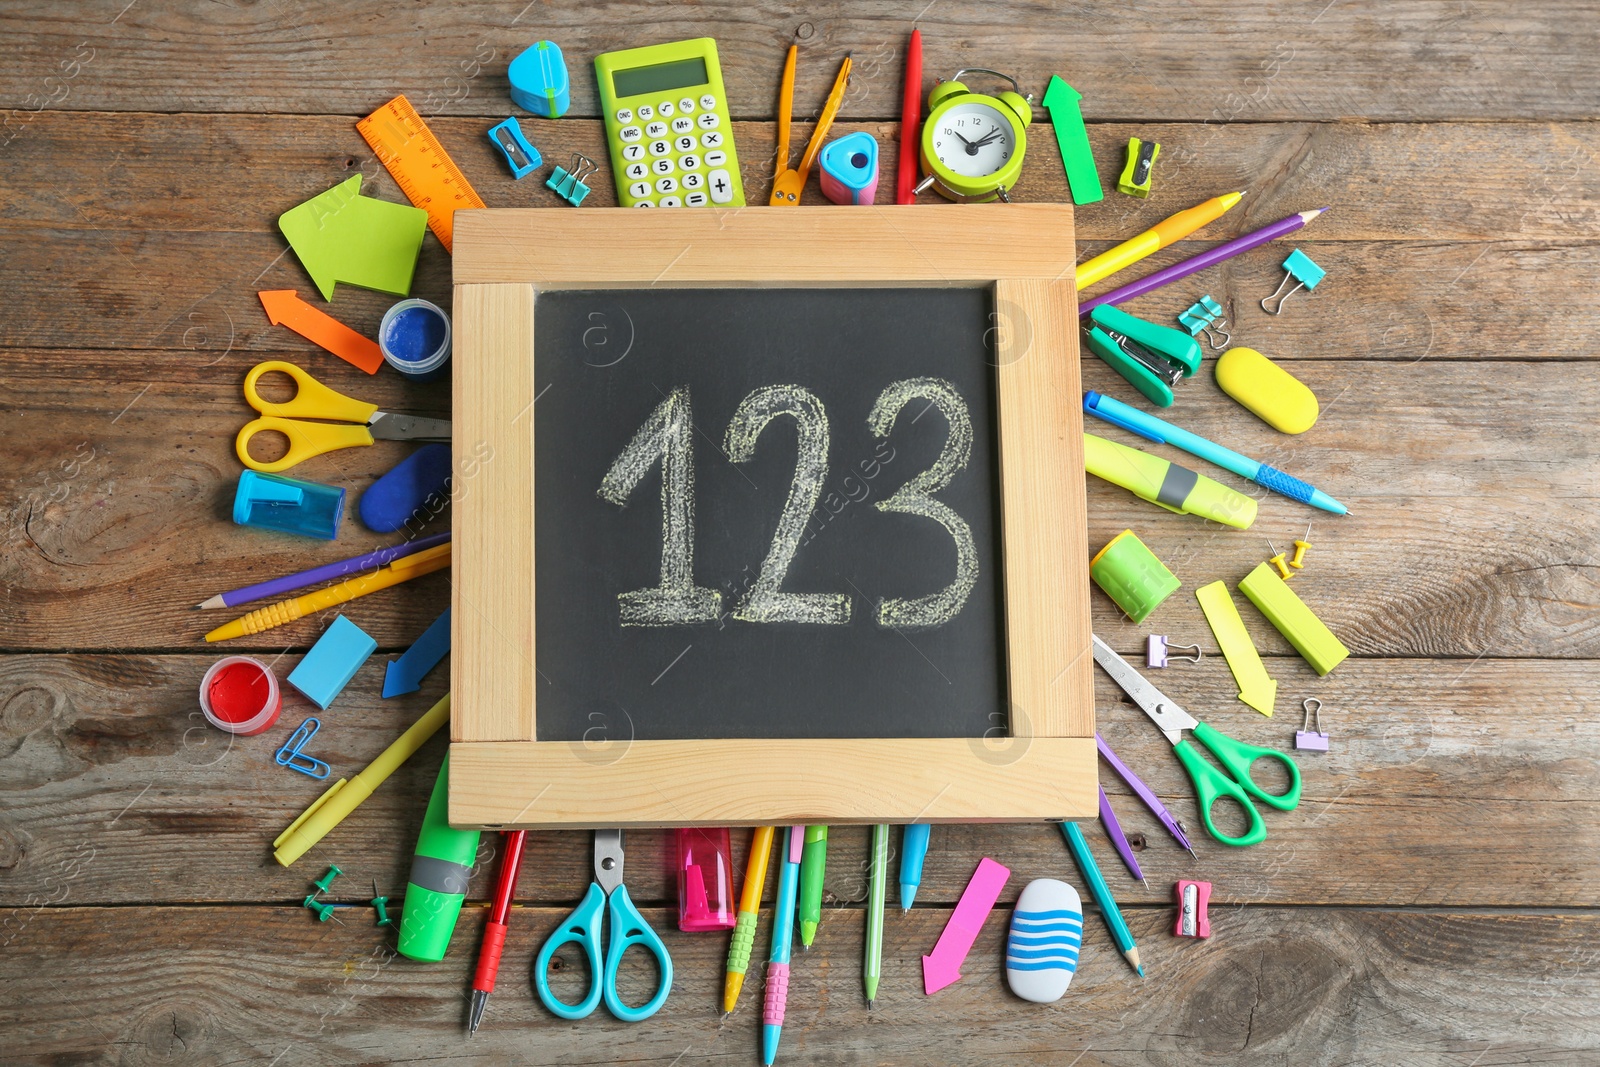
1299,269
568,184
1153,358
1205,317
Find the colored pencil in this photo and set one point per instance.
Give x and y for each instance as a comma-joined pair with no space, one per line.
328,571
1102,895
1209,258
872,959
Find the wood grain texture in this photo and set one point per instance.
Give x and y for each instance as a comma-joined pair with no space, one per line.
492,590
1331,987
1418,61
1451,792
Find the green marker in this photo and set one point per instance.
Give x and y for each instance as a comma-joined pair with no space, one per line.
438,882
872,961
813,862
1061,101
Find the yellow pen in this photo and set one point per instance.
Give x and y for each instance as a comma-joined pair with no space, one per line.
401,570
744,933
1159,236
344,796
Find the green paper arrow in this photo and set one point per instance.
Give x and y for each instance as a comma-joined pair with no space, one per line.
1061,101
342,236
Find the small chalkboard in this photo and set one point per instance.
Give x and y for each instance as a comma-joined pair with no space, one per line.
768,516
820,591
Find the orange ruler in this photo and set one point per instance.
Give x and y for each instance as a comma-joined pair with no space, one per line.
425,172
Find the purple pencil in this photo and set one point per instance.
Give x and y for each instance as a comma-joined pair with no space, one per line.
1205,259
1108,819
326,572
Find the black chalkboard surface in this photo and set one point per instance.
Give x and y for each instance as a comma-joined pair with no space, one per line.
895,632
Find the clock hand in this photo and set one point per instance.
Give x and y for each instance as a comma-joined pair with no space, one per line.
963,140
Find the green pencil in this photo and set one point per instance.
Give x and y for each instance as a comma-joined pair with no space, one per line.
813,865
1102,895
872,962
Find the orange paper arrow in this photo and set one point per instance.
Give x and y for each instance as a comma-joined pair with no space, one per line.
285,308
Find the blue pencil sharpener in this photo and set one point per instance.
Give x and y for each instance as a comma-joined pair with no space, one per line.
288,505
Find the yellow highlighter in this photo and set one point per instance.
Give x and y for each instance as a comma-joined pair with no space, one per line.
1159,236
344,796
401,570
1166,484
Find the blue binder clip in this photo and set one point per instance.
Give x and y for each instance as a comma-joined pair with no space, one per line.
1301,270
1205,317
568,184
291,756
520,156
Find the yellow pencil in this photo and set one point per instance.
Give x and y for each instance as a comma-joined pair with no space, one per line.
1159,236
401,570
343,797
744,934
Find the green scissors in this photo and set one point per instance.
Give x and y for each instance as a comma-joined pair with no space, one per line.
1210,784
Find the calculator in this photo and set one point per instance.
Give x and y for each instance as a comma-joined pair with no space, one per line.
668,127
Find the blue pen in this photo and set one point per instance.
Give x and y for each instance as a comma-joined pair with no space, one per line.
913,850
1135,421
782,940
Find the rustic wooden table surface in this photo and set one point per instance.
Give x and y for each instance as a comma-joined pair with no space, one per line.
1433,899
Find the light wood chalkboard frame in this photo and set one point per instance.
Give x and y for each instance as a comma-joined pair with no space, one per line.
1044,768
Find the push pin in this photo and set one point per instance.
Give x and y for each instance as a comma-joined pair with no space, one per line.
1298,562
382,905
1301,270
1277,560
324,911
1155,651
1312,737
1205,317
1192,918
326,880
568,184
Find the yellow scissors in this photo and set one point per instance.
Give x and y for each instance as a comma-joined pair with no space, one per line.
313,400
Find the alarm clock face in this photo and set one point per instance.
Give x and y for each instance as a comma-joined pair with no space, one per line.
973,139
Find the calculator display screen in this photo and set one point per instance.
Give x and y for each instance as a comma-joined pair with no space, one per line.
660,77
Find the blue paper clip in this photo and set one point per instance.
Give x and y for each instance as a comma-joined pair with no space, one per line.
1301,270
1205,316
291,757
520,156
568,184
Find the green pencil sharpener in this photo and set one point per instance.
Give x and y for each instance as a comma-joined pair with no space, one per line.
1132,576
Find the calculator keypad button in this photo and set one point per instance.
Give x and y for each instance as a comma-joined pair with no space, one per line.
660,148
689,162
624,115
632,152
630,133
686,106
665,109
721,186
693,181
646,111
695,200
682,124
685,143
662,166
712,139
708,102
645,203
671,201
639,189
666,185
709,120
636,171
656,129
716,159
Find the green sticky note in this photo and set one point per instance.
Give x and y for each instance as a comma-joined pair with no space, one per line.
1066,118
342,236
1256,687
1296,622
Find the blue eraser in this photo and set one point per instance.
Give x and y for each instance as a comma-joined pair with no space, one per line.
404,675
539,80
405,490
332,662
520,155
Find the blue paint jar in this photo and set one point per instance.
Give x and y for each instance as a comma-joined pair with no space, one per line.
415,339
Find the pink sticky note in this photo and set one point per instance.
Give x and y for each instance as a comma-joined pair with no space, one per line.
943,967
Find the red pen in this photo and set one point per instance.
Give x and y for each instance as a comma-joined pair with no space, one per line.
910,123
494,932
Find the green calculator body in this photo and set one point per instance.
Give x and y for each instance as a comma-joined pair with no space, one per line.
667,126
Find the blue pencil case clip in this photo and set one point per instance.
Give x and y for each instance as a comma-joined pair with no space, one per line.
520,155
291,756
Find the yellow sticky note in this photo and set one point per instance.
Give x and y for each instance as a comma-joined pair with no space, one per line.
1255,687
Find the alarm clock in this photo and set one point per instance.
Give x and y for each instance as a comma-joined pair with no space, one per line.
972,144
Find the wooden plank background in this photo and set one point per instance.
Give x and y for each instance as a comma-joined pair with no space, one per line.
1432,901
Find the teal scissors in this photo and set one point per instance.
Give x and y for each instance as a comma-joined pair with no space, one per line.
1210,784
585,926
